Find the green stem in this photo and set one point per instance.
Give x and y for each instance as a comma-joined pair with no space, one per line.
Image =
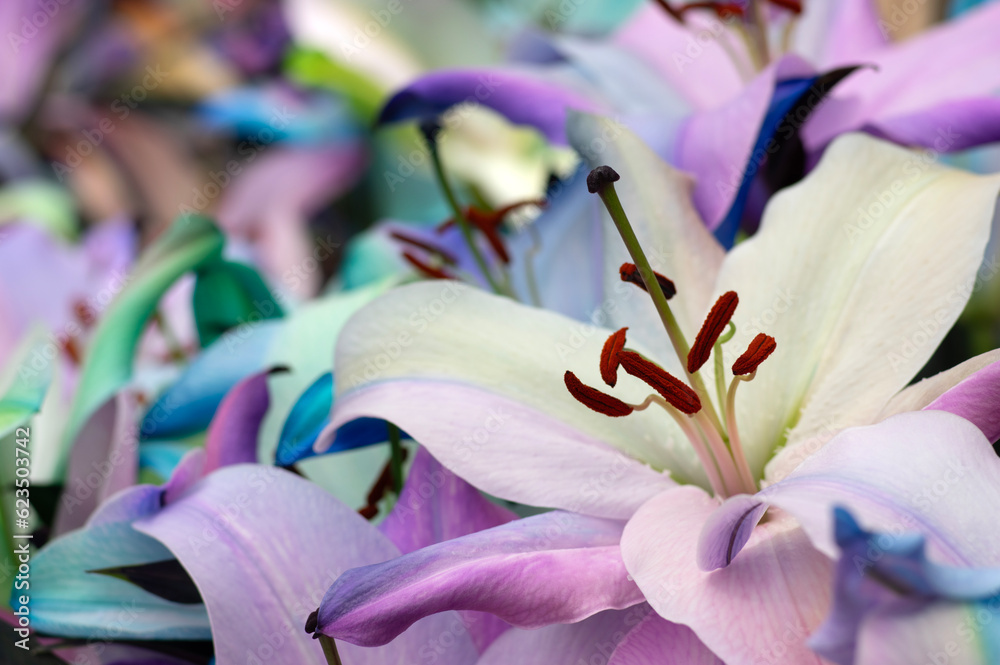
330,650
609,195
396,459
460,220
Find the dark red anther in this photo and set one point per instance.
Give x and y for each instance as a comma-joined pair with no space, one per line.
722,9
72,349
609,357
445,255
84,313
793,6
672,389
715,323
594,399
425,267
630,273
758,350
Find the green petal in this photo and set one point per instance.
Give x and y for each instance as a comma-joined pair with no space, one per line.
191,242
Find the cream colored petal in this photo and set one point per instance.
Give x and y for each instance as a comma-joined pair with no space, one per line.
443,333
857,272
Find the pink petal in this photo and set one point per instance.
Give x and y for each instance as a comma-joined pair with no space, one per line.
760,608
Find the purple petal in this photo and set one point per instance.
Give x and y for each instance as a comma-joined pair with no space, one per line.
727,530
954,62
716,145
838,33
946,489
571,471
436,505
654,637
699,68
142,500
592,640
261,544
946,127
521,97
552,568
232,436
975,399
104,460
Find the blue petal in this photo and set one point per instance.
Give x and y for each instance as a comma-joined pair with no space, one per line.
311,414
187,407
786,94
888,574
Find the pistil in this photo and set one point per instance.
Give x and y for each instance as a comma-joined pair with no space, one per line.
601,181
719,449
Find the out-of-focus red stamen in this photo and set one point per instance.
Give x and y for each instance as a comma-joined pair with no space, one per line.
72,349
722,9
445,255
758,350
609,357
793,6
672,389
488,222
629,272
84,313
424,267
594,399
715,323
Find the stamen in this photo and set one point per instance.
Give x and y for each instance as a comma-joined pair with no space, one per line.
72,350
594,399
425,267
488,222
757,352
609,357
673,390
716,321
630,273
445,255
722,9
793,6
84,313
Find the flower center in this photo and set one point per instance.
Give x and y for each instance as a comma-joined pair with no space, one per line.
748,19
715,439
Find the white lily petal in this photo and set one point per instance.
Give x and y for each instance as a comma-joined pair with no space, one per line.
657,200
857,272
446,331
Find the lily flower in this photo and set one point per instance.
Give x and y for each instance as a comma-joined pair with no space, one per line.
745,96
829,327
